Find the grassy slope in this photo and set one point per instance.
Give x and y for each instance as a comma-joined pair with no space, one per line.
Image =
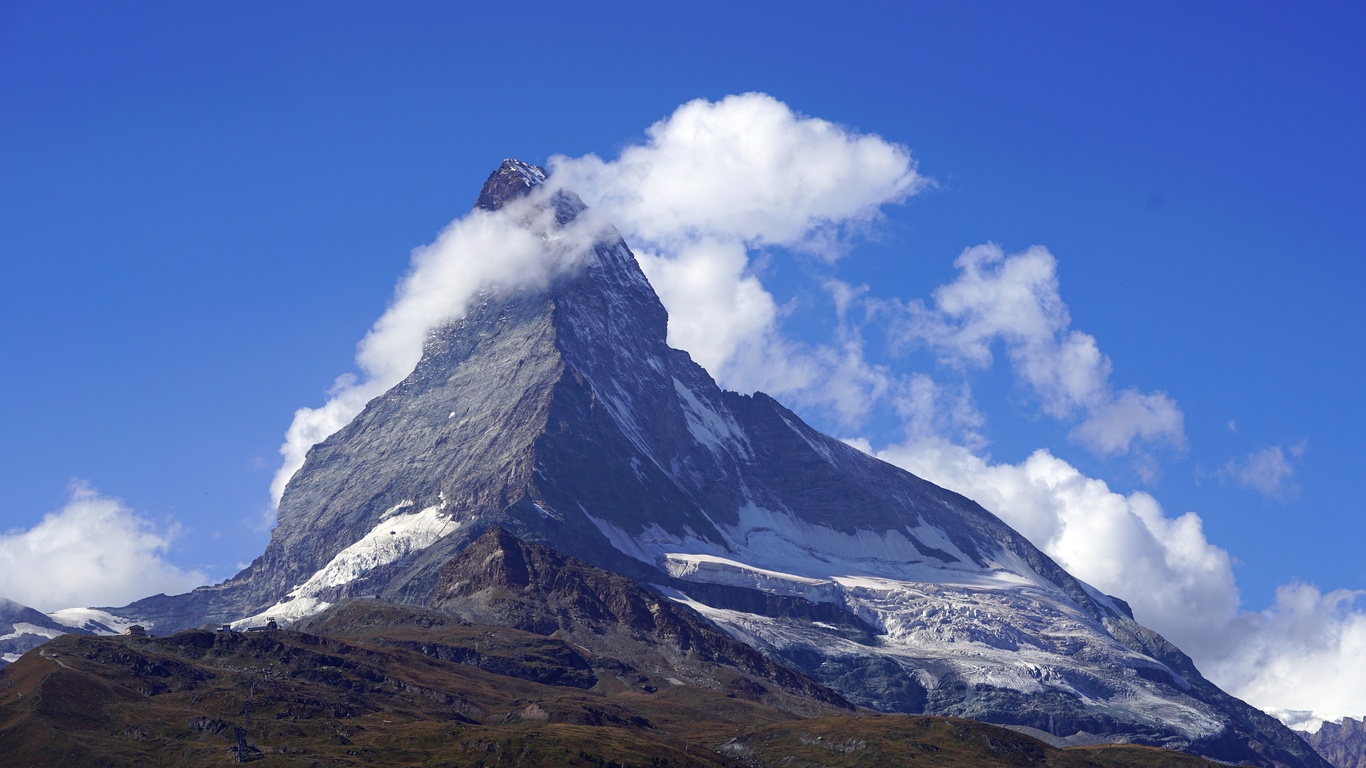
307,700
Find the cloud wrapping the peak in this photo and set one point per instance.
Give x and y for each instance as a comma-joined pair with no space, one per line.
714,181
94,551
1015,301
744,169
481,251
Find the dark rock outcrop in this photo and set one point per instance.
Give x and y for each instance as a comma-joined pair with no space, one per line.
502,580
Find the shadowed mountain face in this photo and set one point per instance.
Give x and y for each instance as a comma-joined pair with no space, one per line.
561,415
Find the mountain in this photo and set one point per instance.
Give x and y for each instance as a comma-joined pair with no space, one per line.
560,415
23,628
1341,743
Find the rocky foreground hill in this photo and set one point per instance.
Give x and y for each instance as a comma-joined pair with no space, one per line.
374,683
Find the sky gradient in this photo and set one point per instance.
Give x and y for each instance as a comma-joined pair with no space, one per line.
205,211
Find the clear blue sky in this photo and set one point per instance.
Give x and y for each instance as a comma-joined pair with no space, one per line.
203,208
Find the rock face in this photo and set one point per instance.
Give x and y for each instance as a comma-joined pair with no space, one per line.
1342,744
504,581
562,416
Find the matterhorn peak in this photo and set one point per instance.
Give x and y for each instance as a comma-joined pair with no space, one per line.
560,414
513,179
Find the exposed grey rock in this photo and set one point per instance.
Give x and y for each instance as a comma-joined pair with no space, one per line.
1342,744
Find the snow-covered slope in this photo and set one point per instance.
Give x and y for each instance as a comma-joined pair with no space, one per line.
398,535
96,621
23,628
562,415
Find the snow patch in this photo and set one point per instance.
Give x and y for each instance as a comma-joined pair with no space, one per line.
24,628
528,173
815,445
396,536
391,511
714,430
10,658
96,621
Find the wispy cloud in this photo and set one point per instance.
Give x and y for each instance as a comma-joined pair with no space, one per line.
94,551
1014,301
1268,471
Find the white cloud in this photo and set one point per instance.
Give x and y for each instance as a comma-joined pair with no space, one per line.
482,251
929,412
1293,655
1015,301
1112,425
1268,471
94,551
744,169
1305,652
714,181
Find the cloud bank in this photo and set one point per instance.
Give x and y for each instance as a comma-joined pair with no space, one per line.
94,551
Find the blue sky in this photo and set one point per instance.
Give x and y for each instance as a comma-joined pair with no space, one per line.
204,210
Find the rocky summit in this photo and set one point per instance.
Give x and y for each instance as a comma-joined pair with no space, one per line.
559,416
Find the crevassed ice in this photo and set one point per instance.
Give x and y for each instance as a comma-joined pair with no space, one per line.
394,537
998,625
